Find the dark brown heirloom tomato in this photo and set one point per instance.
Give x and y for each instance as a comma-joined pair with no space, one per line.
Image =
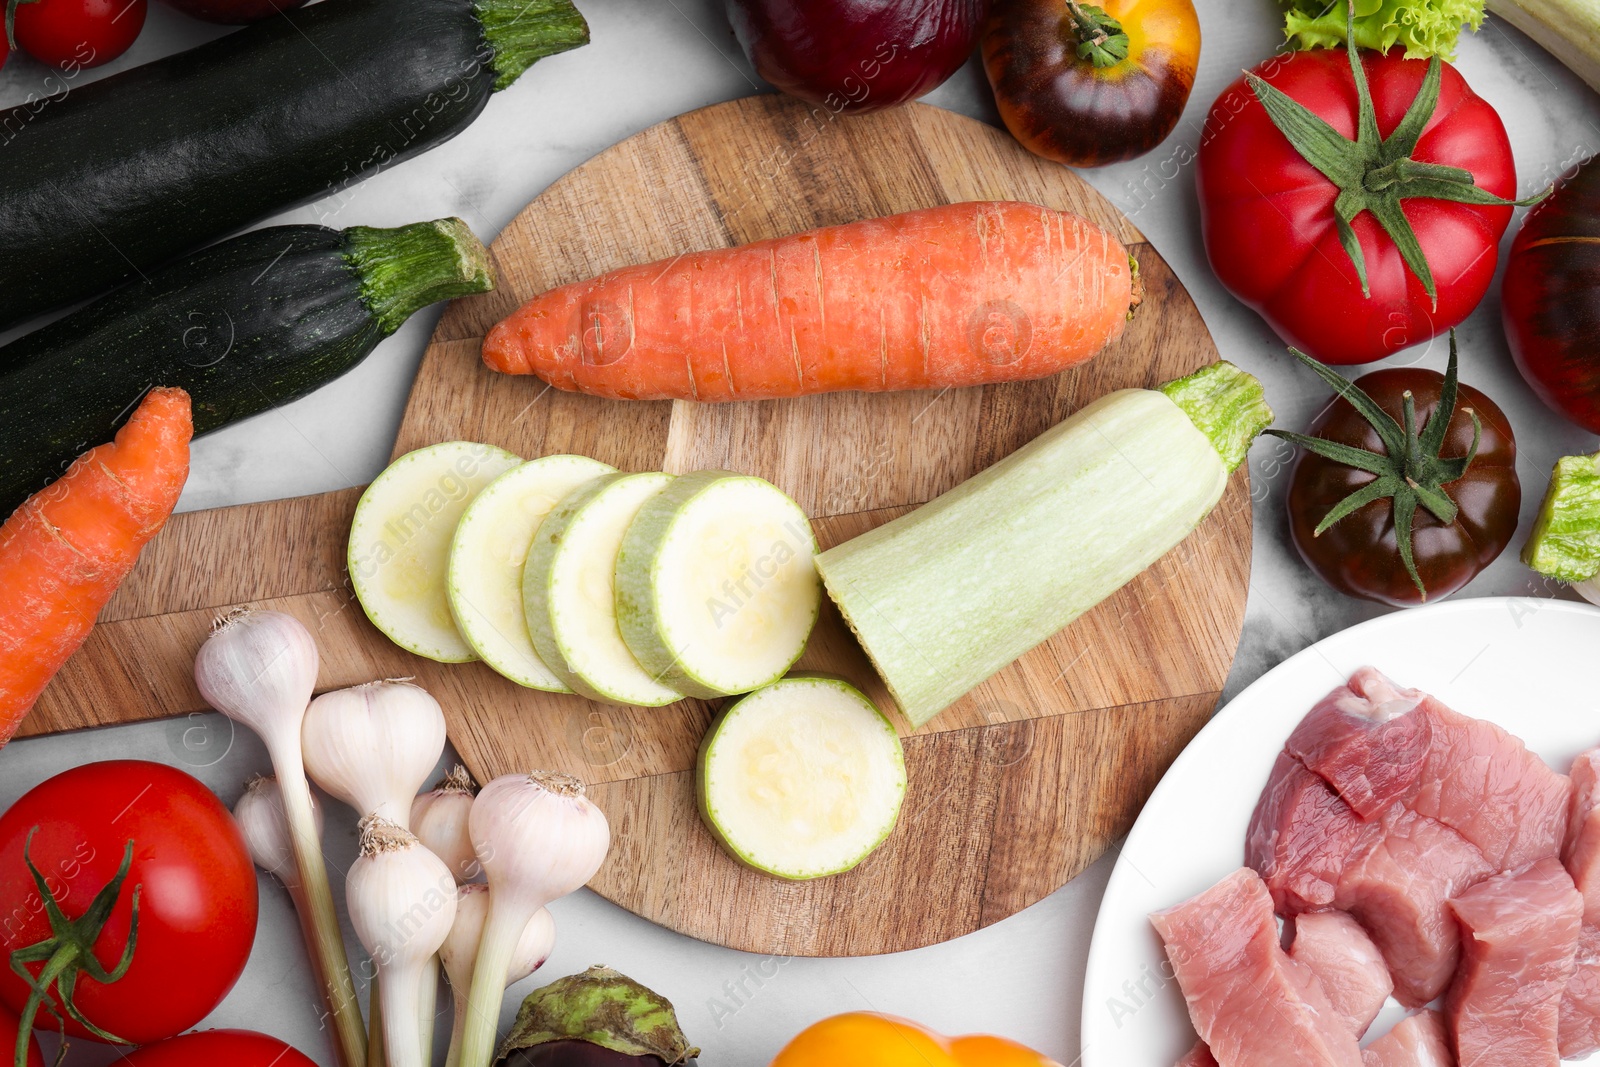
1551,299
577,1054
1360,554
1086,85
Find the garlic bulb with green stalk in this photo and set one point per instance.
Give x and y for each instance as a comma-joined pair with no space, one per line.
259,668
261,819
373,746
439,819
459,953
402,903
539,838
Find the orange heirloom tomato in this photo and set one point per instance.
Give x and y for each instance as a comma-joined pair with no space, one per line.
866,1039
1086,85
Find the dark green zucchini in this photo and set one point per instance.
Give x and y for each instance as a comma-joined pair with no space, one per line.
245,325
120,176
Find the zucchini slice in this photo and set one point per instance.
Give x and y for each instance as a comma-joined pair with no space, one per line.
569,591
400,543
801,779
487,555
717,588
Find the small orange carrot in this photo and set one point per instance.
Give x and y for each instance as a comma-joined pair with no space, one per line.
957,295
65,551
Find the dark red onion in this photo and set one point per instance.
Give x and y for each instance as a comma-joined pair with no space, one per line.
857,55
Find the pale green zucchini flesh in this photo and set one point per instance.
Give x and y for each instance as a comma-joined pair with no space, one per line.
717,587
947,595
486,559
399,546
801,779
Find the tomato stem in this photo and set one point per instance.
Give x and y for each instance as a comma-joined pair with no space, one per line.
1100,38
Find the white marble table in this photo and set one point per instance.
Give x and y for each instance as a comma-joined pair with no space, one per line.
650,61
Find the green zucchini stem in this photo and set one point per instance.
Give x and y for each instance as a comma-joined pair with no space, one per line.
522,32
405,269
1227,404
1565,543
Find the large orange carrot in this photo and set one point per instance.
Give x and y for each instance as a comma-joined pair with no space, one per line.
65,551
950,296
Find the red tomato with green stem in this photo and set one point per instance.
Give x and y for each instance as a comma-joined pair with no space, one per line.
1357,206
82,33
124,864
10,1038
209,1048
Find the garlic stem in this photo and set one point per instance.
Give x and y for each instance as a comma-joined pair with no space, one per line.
459,953
428,1005
260,668
538,838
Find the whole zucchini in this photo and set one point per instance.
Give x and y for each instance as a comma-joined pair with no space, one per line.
947,595
245,325
121,175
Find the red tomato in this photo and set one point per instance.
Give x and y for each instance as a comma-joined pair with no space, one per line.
1268,215
82,33
8,1042
209,1048
197,892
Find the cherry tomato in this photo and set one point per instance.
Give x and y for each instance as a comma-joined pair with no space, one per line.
211,1048
1268,214
1550,302
5,50
82,33
196,884
8,1042
1075,110
1360,554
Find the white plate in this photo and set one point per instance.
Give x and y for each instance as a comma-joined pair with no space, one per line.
1523,663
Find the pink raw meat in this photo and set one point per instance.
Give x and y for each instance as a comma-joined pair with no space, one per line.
1199,1056
1580,1005
1582,852
1398,891
1251,1003
1520,933
1301,837
1416,1041
1484,783
1364,741
1346,962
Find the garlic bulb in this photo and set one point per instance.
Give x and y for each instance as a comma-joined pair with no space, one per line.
459,953
259,668
261,818
373,746
402,903
538,838
439,819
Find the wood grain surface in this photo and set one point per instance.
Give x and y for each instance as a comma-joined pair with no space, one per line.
1013,791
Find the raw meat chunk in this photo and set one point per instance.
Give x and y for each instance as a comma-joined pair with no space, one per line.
1301,836
1250,1003
1364,740
1580,1006
1398,890
1416,1041
1199,1056
1484,783
1582,852
1346,962
1520,933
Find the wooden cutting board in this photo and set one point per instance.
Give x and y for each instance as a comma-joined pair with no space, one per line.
1013,791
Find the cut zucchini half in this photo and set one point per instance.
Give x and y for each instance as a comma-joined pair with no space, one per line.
717,588
801,779
569,591
400,543
487,555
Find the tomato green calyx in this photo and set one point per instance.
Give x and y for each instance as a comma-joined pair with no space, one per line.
1410,471
1375,173
1099,37
69,951
11,21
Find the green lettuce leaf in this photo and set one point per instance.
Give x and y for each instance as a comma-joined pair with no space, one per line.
1424,27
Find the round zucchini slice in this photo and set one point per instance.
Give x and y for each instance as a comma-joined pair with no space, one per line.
801,779
717,586
400,543
486,559
569,591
